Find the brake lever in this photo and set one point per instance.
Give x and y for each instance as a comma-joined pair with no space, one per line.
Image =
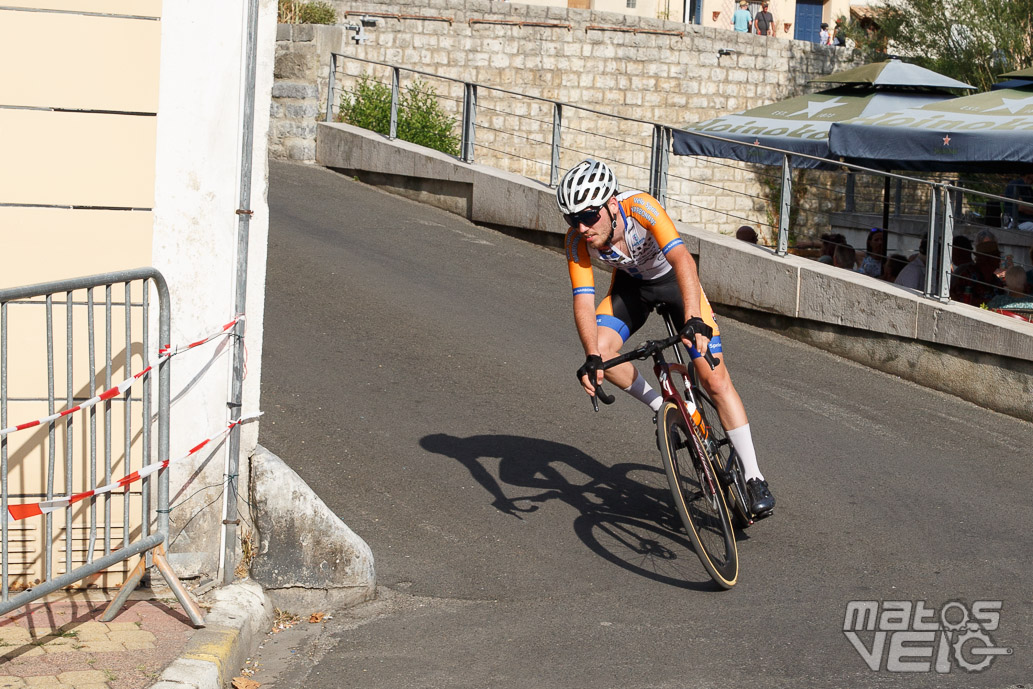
600,395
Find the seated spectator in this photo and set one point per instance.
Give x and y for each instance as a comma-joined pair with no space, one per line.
874,253
1020,213
1016,291
829,242
976,283
845,257
962,251
746,234
913,274
894,264
988,236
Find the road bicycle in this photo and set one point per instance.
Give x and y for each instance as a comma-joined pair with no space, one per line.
704,471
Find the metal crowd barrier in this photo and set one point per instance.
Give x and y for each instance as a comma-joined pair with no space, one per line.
117,308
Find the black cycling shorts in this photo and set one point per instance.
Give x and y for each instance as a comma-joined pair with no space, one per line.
631,300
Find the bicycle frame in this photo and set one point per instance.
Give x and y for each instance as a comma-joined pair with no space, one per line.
725,467
663,369
694,421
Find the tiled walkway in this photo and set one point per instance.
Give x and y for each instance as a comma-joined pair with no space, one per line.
62,644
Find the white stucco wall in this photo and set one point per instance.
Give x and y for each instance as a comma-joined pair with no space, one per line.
198,164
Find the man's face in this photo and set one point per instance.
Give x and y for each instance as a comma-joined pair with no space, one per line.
593,224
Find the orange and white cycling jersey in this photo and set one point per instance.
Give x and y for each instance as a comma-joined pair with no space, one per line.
643,278
648,232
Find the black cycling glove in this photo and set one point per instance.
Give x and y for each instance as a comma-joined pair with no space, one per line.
696,325
593,363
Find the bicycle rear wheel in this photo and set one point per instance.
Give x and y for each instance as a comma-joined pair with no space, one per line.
698,497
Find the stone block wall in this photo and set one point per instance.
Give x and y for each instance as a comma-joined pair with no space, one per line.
646,69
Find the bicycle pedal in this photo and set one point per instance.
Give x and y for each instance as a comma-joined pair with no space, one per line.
762,515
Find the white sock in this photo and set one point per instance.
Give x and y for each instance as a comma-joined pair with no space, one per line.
643,392
742,441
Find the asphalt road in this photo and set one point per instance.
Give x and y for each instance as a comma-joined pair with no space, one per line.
418,373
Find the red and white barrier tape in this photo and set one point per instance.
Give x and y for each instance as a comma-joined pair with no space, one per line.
167,350
164,353
17,512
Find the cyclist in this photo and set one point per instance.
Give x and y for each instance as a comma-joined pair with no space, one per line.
631,232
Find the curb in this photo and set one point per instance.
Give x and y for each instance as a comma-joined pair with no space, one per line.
241,614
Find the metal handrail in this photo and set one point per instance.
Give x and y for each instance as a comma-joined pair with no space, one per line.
941,224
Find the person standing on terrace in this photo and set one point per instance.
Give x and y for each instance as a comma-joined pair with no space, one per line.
742,20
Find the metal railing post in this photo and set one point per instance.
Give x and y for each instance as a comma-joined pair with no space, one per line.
886,204
784,204
230,521
930,241
469,121
4,590
48,518
945,248
395,79
70,424
851,184
330,83
557,127
659,163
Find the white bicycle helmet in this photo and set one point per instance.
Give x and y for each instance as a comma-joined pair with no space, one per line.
589,184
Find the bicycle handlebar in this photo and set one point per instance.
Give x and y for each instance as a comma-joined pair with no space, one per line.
643,351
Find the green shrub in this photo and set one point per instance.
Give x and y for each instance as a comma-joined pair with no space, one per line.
369,107
424,122
420,117
317,13
298,12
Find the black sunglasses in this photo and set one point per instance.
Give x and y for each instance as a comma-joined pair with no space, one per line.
589,217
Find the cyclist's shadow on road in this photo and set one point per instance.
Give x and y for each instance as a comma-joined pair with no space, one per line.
625,510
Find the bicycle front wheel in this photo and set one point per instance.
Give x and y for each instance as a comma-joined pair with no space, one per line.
698,497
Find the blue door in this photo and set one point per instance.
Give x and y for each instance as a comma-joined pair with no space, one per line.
694,12
808,20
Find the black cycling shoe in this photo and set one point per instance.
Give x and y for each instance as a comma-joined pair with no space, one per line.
761,499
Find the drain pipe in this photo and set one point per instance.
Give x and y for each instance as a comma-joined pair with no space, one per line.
231,520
